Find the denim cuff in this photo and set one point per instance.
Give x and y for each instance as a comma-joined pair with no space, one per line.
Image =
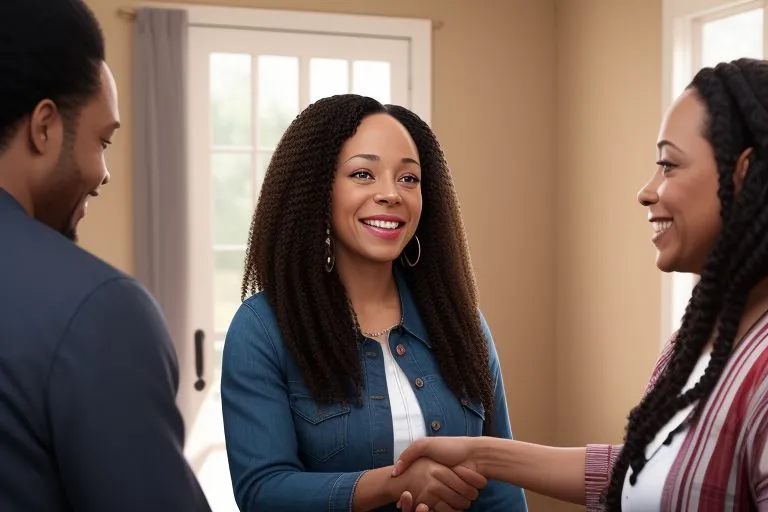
343,492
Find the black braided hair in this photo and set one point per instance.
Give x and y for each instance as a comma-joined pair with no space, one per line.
736,100
286,257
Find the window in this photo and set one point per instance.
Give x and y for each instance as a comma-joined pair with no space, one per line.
724,36
250,73
699,33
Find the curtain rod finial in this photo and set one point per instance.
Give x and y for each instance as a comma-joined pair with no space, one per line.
126,14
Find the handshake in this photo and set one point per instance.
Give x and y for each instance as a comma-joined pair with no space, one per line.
440,475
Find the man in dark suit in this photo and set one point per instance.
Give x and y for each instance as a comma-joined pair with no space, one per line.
88,373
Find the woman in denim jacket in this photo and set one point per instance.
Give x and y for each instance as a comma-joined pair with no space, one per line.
362,333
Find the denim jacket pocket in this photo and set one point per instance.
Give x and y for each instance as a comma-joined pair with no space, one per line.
475,415
321,428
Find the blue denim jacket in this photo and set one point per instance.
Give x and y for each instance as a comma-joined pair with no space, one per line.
288,453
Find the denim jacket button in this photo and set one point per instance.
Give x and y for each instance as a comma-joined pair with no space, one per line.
435,426
419,383
400,349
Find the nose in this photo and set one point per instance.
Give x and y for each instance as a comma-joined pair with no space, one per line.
648,195
388,195
106,178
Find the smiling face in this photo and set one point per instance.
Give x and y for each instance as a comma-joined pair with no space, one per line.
681,197
77,162
376,198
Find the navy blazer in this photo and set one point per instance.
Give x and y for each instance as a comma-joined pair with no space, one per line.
88,379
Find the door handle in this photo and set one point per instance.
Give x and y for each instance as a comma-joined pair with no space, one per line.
199,346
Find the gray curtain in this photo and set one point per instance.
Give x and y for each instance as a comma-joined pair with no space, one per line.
160,166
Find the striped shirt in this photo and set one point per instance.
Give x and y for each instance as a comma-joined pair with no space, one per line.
723,462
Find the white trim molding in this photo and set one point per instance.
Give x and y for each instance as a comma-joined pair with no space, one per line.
417,32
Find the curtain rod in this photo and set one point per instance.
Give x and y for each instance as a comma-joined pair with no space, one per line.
126,13
129,14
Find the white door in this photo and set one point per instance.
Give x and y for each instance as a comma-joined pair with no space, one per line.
246,86
701,33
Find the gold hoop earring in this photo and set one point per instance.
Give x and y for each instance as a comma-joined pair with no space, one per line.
406,260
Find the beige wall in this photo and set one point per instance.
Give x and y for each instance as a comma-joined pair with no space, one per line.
608,289
547,110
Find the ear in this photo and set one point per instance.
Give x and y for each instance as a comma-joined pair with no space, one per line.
45,127
741,168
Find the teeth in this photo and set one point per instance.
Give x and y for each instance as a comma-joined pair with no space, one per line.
382,224
661,225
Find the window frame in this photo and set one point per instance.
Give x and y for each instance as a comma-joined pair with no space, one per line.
416,31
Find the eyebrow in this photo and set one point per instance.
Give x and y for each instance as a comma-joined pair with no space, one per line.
376,158
665,142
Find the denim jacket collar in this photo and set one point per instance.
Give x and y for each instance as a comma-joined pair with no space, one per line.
411,318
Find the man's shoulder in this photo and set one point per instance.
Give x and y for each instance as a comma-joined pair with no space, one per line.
47,277
31,244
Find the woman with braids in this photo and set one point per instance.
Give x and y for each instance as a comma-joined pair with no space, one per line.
362,331
698,440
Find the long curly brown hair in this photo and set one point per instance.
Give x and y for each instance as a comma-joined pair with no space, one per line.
286,257
737,105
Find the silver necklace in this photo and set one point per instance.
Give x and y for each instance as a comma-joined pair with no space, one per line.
374,334
379,333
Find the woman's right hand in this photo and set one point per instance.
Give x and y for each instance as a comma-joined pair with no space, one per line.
448,451
440,488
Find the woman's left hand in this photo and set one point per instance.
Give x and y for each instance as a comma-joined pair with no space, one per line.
406,501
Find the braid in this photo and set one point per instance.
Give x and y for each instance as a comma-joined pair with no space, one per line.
737,120
285,257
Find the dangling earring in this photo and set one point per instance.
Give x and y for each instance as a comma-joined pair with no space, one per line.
330,257
404,257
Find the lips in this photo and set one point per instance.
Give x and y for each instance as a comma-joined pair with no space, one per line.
386,227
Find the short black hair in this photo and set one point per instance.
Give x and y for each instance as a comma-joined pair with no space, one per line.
49,49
